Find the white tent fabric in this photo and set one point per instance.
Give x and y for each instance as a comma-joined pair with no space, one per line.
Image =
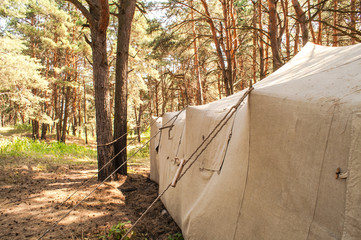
270,172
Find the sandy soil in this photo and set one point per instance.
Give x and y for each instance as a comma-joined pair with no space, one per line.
30,203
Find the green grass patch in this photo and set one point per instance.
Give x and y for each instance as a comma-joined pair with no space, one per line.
23,127
43,152
142,153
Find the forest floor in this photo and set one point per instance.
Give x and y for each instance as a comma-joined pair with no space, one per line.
32,193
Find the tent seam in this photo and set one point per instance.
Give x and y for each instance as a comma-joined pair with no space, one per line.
249,153
321,170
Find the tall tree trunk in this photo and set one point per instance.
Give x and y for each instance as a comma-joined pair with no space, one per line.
138,119
288,47
85,121
273,33
66,113
319,34
234,40
102,101
156,99
98,19
35,124
335,22
261,46
254,40
353,19
73,110
44,129
266,66
297,39
61,114
199,95
125,17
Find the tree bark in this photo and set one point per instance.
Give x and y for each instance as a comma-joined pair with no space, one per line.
125,16
288,47
273,33
297,39
66,113
35,124
98,19
44,129
261,46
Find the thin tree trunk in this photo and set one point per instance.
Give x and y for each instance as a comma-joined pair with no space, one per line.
138,117
266,58
319,34
85,121
353,20
66,112
261,46
225,74
301,18
288,47
61,114
234,40
310,22
254,40
297,39
335,22
199,95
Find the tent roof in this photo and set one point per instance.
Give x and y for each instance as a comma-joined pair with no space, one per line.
318,73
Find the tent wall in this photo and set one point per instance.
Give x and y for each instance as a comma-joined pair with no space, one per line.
270,172
153,146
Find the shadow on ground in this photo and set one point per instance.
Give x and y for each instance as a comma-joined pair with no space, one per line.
30,203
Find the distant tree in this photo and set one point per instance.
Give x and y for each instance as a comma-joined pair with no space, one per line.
20,78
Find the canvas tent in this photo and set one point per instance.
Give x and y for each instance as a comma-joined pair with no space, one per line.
270,172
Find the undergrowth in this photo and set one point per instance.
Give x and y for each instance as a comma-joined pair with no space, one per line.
57,152
117,231
24,127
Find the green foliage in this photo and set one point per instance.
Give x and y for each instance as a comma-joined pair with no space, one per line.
23,127
25,147
143,153
176,236
116,232
20,79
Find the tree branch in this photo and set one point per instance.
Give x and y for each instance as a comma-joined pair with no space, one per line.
83,10
341,30
87,40
140,7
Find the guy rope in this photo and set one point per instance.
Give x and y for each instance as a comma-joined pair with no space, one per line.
196,154
175,117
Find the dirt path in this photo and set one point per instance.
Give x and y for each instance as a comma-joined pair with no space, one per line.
30,203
